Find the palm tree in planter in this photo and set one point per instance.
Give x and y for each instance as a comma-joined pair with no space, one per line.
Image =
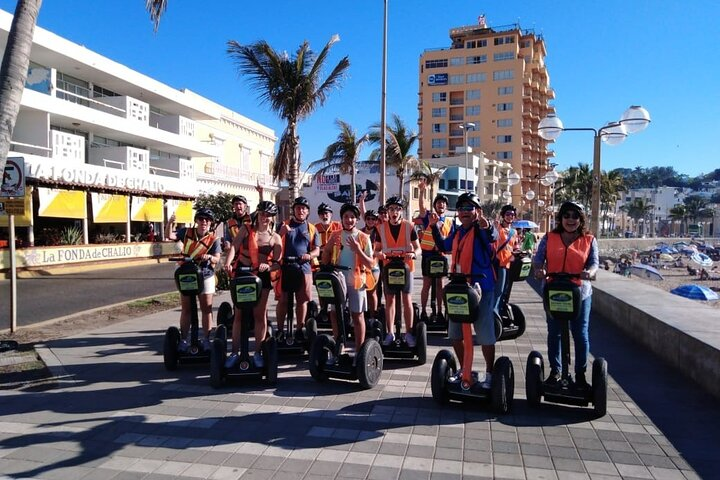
399,142
428,174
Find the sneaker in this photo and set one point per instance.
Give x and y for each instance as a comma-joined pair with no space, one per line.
258,360
456,378
331,360
232,361
554,378
389,339
183,346
206,344
410,340
487,383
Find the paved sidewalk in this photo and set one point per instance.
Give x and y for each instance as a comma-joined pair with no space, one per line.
118,414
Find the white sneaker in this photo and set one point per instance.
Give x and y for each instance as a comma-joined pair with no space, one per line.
456,378
232,360
389,339
410,340
183,346
258,360
487,383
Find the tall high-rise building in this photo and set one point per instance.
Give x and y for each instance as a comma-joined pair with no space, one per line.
487,92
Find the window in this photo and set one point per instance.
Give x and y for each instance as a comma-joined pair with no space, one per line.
439,97
504,107
439,112
471,44
501,56
457,61
474,142
441,184
452,184
244,159
504,139
477,59
472,110
504,122
525,44
470,185
462,184
472,94
507,155
503,75
439,127
457,79
441,63
439,143
505,91
504,40
476,77
72,89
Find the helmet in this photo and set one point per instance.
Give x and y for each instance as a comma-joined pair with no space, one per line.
395,200
204,213
440,198
268,207
371,214
349,207
571,206
239,198
507,208
382,209
302,201
324,207
470,198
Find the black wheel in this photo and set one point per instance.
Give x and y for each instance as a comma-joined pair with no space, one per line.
369,363
421,343
170,348
498,327
271,360
416,313
443,368
599,386
310,332
319,351
221,333
534,374
312,309
225,315
322,319
375,331
217,362
518,319
502,391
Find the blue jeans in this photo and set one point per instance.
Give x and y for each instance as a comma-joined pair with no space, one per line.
499,287
579,329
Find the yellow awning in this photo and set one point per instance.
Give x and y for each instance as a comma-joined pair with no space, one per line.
147,209
109,208
62,203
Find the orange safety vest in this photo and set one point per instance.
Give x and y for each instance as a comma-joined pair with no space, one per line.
462,252
505,245
248,249
570,259
233,225
361,271
326,230
194,247
427,242
403,243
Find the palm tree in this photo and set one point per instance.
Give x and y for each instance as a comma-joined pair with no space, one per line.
293,88
611,187
576,185
428,174
342,155
399,141
679,212
640,208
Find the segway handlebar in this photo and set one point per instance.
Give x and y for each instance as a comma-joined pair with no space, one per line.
180,259
567,276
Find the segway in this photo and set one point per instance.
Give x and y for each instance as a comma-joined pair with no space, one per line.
367,364
396,275
189,282
462,302
435,266
291,277
510,320
245,290
562,300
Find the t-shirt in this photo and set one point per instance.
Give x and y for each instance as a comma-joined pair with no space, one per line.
347,256
298,242
206,269
528,241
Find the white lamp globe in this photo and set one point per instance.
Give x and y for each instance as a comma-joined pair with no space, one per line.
550,128
635,119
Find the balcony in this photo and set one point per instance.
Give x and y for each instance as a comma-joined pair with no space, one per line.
122,158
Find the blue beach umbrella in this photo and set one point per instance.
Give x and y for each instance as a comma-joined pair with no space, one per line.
524,224
646,271
695,292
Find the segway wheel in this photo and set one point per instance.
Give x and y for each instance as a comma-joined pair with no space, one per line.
443,367
369,363
498,327
225,315
217,362
599,386
221,333
319,351
312,310
502,390
170,348
534,374
518,319
271,360
310,332
421,343
375,331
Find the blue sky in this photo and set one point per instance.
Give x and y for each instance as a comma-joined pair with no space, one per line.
602,58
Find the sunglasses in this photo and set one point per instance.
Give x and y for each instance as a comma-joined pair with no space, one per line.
203,219
509,214
465,208
571,215
394,209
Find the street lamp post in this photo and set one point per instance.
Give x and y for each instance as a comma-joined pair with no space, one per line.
465,127
635,119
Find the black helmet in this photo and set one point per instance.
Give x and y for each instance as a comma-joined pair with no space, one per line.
349,207
239,198
204,213
395,200
324,207
382,209
371,214
268,207
470,198
507,208
302,201
440,198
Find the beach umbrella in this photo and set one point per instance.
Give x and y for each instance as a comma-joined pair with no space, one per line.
524,224
701,260
666,249
695,292
666,257
645,271
688,250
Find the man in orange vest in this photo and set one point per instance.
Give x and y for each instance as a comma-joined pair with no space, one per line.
398,235
505,247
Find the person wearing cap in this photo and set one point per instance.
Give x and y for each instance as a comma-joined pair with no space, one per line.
398,235
352,249
427,244
470,243
505,248
327,225
200,244
569,248
299,239
239,217
370,229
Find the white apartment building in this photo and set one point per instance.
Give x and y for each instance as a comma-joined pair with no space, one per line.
106,148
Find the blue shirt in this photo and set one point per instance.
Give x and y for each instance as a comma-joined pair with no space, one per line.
298,242
482,271
593,261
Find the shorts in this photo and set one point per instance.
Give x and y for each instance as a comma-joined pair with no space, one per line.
265,278
407,289
357,300
303,293
484,324
209,285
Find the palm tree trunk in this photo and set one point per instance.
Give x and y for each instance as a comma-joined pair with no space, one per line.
13,72
294,166
353,193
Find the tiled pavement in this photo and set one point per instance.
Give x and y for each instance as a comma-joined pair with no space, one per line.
117,414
